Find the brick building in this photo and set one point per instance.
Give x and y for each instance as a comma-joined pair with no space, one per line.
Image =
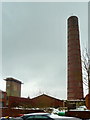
2,98
19,102
45,101
42,101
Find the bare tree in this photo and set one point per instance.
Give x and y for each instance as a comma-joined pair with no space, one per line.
86,69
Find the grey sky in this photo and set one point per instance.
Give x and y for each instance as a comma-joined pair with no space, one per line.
89,28
34,44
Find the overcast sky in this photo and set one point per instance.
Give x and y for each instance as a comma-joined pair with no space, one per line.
34,44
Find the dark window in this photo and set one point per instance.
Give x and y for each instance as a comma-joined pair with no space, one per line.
0,104
30,117
1,95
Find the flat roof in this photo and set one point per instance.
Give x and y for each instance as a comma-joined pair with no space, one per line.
13,79
2,91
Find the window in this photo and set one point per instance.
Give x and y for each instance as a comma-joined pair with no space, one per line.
41,116
0,95
30,117
38,117
0,104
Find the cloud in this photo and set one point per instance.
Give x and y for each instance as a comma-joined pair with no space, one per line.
34,44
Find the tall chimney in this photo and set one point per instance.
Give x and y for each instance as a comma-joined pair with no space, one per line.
75,84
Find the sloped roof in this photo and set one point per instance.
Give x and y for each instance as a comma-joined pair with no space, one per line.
46,96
